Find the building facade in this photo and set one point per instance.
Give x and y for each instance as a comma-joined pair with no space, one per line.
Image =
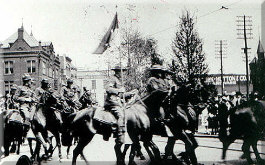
67,69
257,71
232,83
22,53
94,81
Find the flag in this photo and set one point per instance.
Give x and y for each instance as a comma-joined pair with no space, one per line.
105,42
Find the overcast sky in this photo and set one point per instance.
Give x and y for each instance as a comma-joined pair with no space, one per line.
75,27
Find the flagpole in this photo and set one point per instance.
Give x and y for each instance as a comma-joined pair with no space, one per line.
122,77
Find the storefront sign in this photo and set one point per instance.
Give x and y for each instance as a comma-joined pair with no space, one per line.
228,79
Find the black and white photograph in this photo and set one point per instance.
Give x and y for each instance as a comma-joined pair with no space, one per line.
151,82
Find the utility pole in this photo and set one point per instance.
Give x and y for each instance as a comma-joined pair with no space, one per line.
220,52
247,26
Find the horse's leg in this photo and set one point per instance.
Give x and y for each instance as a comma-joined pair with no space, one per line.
13,147
170,148
30,146
149,152
18,146
117,148
83,141
44,138
189,147
7,144
83,156
39,142
139,152
155,151
256,152
245,149
126,147
58,142
132,155
67,152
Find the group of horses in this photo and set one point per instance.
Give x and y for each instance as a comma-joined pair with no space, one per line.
143,119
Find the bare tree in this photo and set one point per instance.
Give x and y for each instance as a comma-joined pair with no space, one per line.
189,62
141,53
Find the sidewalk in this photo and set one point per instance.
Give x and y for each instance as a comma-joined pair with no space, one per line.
202,133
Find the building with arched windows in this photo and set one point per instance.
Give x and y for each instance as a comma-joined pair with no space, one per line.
22,53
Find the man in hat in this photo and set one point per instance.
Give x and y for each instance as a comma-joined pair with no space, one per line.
113,102
26,97
44,87
10,102
156,81
68,95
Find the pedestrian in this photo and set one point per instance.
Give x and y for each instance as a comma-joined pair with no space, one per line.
205,116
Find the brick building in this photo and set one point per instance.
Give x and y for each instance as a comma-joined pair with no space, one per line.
257,71
93,80
67,69
22,53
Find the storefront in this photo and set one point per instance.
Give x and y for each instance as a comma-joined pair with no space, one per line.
232,82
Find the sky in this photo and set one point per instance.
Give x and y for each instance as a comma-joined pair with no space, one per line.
75,27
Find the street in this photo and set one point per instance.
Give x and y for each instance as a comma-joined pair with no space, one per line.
100,151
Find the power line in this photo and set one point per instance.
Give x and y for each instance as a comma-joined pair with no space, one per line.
223,7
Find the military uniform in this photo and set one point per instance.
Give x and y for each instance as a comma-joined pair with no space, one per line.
25,97
157,82
113,102
154,83
68,95
10,102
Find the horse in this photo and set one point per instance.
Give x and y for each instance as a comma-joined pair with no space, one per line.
182,121
246,123
139,119
47,118
85,101
14,129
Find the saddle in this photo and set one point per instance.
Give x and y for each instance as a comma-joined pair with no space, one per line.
14,116
104,116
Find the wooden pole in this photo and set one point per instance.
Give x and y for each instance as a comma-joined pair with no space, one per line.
246,53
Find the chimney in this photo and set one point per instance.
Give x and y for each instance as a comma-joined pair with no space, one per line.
20,33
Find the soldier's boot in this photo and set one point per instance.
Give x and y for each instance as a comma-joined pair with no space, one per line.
26,127
121,134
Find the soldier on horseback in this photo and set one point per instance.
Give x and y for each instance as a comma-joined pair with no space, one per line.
44,87
26,97
10,102
156,81
68,95
113,102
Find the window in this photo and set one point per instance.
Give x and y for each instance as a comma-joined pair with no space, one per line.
31,65
44,68
94,84
53,74
9,67
50,71
8,85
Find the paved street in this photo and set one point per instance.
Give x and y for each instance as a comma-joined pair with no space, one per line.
208,152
